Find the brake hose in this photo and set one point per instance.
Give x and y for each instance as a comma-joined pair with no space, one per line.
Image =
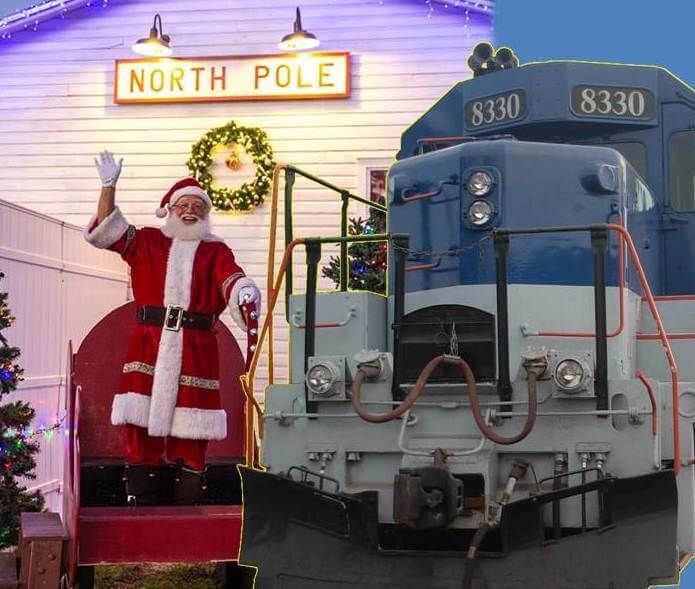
419,386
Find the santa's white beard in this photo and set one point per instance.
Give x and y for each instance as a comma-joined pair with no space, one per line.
175,227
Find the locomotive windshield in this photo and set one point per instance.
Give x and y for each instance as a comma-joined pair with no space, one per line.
682,170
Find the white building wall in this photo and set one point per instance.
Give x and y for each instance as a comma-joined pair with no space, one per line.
58,287
57,110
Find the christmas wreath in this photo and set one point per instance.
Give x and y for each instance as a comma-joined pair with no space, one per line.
255,142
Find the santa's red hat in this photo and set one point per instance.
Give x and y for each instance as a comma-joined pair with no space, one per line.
185,187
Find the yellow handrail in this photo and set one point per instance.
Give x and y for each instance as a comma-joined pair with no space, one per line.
248,378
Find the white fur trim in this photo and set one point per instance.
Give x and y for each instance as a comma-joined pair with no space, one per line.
161,212
130,408
165,385
233,302
190,191
108,232
199,424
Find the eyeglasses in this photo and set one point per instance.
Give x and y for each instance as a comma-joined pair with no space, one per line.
196,207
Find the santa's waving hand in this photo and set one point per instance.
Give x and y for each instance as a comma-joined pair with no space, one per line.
183,278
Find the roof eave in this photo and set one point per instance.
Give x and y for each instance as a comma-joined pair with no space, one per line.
31,17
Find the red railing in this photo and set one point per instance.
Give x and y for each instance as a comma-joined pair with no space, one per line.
662,336
680,335
652,400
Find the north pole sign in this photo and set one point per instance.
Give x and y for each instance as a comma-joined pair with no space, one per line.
239,77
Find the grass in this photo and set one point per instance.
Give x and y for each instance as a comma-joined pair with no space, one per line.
157,576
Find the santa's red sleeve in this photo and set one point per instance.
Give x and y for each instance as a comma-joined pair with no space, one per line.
232,279
113,233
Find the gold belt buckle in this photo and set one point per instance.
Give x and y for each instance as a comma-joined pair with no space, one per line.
173,317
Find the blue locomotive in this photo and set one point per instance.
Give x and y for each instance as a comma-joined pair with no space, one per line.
519,411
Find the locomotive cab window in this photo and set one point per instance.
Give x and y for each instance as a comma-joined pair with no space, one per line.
682,170
633,151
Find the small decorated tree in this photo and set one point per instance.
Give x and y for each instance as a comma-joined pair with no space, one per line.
18,443
367,260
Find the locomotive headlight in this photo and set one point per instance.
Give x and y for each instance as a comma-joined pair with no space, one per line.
321,377
479,183
570,374
479,213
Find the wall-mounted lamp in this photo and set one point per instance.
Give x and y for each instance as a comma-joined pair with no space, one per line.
298,39
157,44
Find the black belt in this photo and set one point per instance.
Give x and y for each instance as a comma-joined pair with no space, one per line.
174,318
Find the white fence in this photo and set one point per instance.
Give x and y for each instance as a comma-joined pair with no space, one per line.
59,287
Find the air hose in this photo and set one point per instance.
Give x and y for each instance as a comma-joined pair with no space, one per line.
519,468
473,547
415,392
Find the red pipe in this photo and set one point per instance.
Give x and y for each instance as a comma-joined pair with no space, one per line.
652,400
662,337
673,298
648,336
418,267
420,196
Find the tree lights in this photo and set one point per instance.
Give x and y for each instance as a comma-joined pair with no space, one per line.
18,443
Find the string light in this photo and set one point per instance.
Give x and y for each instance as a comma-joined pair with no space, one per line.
30,435
16,443
38,12
481,6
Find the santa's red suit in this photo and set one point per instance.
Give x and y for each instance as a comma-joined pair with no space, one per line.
170,383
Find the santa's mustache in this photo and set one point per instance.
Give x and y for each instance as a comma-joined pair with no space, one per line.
175,226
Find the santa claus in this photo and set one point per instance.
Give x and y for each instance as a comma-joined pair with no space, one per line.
183,278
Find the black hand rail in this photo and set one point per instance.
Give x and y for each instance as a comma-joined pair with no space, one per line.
313,256
599,239
291,172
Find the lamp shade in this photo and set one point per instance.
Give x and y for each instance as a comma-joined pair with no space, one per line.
152,48
298,39
156,45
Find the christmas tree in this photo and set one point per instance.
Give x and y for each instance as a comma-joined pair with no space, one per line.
367,260
18,443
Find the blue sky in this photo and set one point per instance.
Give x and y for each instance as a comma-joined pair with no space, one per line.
625,31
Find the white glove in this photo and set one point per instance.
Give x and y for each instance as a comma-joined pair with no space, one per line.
244,292
109,170
249,294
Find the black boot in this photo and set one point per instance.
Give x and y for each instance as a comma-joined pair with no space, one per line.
142,483
189,485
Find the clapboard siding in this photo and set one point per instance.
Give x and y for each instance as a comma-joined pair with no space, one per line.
57,110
